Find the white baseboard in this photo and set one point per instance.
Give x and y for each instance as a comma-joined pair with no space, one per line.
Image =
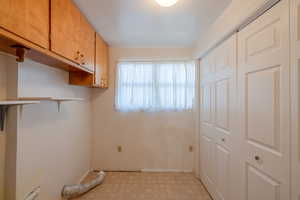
167,170
84,176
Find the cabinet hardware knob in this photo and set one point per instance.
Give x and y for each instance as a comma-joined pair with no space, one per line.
223,139
257,158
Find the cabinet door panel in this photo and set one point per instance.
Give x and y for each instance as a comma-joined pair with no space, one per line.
28,19
65,29
101,67
87,44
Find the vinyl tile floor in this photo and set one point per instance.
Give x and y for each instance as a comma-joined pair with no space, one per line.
148,186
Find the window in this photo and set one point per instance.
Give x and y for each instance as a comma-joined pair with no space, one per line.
155,86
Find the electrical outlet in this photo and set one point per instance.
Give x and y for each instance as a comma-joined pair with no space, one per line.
191,148
119,148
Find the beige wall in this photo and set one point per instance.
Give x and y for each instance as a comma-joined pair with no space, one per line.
155,141
234,15
3,61
53,147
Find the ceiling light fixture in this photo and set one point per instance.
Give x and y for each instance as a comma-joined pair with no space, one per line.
166,3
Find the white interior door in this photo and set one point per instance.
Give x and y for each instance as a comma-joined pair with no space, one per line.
264,94
224,103
206,124
218,99
295,81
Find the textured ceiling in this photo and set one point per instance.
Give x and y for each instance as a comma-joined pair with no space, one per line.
143,23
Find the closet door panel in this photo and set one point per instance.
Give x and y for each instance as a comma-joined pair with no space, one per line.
218,83
264,99
295,58
206,104
263,107
207,162
261,186
225,92
207,97
225,98
222,104
223,172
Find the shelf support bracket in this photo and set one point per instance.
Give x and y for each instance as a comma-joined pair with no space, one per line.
58,105
3,111
20,52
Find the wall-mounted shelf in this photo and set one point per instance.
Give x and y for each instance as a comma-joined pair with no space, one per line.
48,99
4,105
18,103
58,100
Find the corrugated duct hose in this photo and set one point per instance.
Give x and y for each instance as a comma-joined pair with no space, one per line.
72,191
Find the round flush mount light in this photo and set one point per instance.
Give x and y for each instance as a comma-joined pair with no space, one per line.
166,3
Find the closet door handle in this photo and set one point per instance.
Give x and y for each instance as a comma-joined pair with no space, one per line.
257,158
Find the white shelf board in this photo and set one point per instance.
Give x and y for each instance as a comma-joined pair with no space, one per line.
67,99
12,103
58,100
50,99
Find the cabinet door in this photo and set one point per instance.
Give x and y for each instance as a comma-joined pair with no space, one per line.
28,19
87,44
101,67
65,29
264,94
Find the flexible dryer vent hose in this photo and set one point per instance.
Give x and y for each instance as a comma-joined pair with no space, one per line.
72,191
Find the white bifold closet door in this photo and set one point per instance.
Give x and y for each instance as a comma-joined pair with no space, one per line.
295,76
218,94
264,105
245,99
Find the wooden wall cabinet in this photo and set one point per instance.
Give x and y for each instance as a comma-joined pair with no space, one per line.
101,63
71,34
57,34
29,19
87,44
100,77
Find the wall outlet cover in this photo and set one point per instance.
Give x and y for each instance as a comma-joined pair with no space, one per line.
120,149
